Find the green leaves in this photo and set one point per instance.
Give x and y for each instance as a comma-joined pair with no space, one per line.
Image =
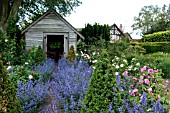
152,19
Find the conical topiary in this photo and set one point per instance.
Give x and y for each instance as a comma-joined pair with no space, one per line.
8,97
100,90
71,54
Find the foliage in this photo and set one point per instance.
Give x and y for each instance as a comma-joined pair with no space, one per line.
55,45
70,82
11,9
39,55
34,56
152,19
7,48
162,36
71,56
8,97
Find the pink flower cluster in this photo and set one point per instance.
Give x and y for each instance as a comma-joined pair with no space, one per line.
143,69
134,92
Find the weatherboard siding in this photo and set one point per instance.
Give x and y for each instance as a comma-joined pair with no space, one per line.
49,24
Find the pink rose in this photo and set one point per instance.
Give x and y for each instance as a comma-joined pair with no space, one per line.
135,79
125,73
143,69
146,81
150,90
140,82
156,70
141,77
133,93
150,71
149,76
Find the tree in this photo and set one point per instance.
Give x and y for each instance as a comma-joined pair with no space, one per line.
93,33
152,19
11,9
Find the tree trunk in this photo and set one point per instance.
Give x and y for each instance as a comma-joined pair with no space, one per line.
4,13
8,11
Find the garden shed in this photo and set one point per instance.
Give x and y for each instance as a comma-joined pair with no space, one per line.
53,33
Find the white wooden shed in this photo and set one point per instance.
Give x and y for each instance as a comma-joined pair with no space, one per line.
53,33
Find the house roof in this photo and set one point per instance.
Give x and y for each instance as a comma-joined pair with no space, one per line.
58,15
117,28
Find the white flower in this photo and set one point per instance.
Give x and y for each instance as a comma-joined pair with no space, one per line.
9,67
6,40
117,73
76,54
26,63
133,59
125,60
30,77
121,65
113,64
93,53
117,67
130,66
113,60
94,67
149,109
135,69
94,61
138,64
129,69
88,57
117,58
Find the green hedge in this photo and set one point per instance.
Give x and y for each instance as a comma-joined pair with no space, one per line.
152,47
162,36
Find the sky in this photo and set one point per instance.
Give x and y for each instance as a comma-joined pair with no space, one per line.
110,12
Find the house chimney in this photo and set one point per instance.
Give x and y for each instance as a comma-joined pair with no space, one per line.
121,27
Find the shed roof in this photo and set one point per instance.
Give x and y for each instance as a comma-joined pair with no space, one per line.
58,15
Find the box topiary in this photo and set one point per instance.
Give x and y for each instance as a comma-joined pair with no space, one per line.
71,54
8,97
100,91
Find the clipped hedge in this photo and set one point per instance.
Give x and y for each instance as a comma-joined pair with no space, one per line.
162,36
152,47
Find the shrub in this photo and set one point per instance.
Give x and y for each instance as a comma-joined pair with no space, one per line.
100,91
132,107
8,97
21,73
34,56
70,82
71,54
162,36
32,94
45,69
152,47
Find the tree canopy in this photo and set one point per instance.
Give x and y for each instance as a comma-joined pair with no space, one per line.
23,10
152,19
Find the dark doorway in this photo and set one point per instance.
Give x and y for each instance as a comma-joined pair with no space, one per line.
55,46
